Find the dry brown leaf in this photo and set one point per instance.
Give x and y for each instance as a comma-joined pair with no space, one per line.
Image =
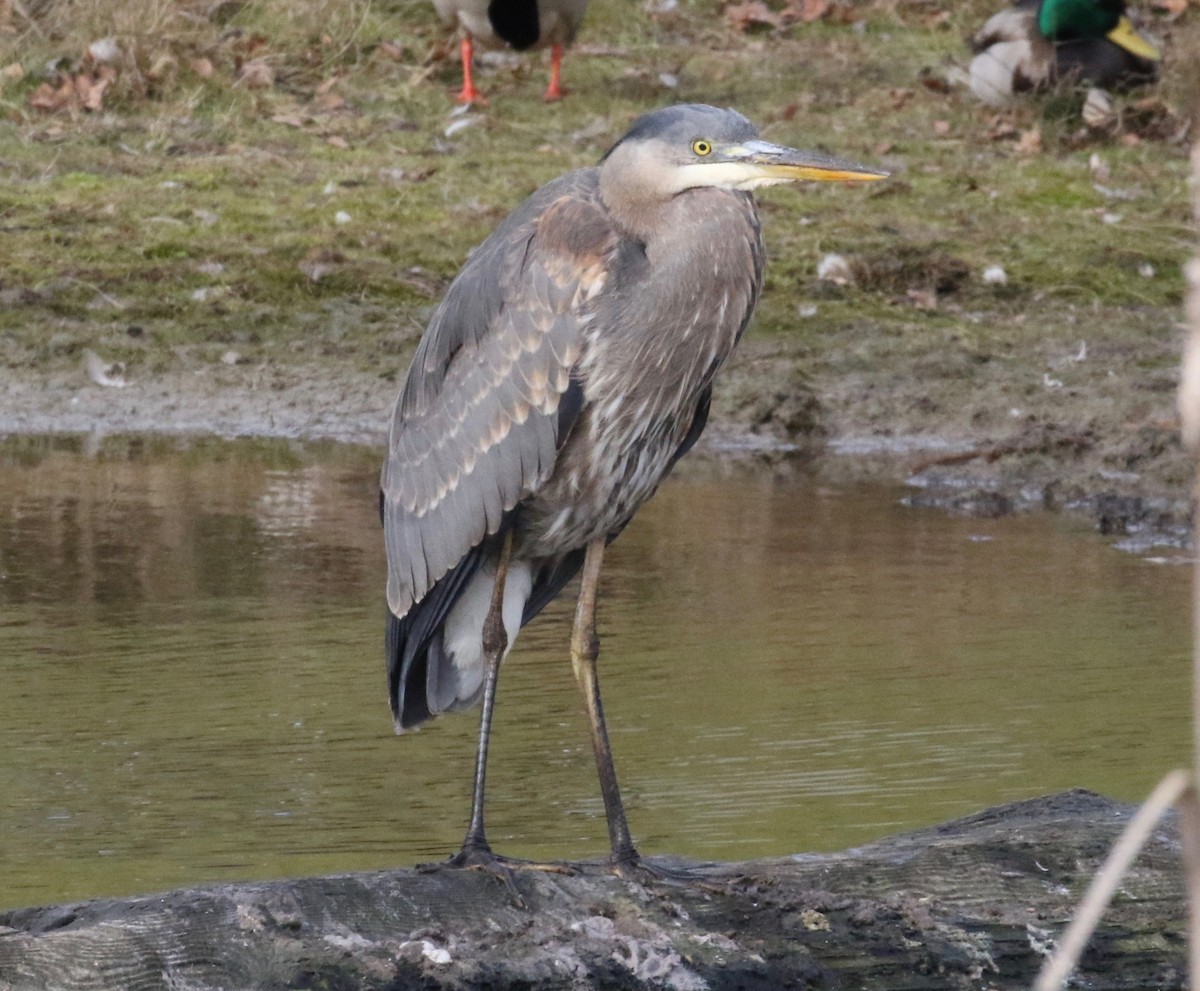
1030,142
202,67
1001,128
12,72
807,11
330,102
398,175
251,46
164,65
941,128
389,49
845,13
933,82
290,120
1172,8
83,91
743,16
52,99
923,299
90,87
336,141
257,73
320,262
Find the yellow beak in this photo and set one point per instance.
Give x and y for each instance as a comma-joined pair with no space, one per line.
1125,36
777,162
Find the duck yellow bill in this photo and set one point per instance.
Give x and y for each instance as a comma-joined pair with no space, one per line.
1125,36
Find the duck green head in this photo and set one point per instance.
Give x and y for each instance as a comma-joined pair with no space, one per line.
1062,20
1068,20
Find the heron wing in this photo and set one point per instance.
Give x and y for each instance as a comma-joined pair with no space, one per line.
482,414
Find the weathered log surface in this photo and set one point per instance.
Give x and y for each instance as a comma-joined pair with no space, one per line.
970,904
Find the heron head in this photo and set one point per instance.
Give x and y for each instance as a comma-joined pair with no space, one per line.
690,146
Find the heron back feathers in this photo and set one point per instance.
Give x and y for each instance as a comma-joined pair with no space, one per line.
482,412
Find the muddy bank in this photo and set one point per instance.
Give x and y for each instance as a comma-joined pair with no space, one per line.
972,903
1093,431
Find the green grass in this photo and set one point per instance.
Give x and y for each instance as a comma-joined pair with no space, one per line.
193,208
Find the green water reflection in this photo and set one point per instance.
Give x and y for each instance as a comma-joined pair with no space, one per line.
193,684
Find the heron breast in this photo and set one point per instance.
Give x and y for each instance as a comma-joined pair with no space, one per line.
612,463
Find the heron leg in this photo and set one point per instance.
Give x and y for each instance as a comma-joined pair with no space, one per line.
495,640
585,649
468,93
555,91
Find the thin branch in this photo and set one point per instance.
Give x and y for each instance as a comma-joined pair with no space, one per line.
1189,830
33,24
1169,790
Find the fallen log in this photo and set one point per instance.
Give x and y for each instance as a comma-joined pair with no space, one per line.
973,903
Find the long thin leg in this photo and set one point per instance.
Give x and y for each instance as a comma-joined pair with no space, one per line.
495,640
468,93
585,649
555,91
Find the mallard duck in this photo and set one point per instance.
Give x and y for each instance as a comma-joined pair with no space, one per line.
1037,43
519,24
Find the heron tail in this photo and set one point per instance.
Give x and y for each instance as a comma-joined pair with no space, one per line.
435,653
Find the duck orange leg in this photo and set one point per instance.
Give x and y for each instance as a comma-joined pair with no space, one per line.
555,91
468,93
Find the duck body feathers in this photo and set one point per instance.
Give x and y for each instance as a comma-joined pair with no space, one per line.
518,24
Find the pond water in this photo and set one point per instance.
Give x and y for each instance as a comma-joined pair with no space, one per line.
190,640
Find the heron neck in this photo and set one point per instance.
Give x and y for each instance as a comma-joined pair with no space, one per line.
638,212
637,190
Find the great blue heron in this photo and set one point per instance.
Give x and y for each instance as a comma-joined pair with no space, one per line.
520,24
1034,44
567,369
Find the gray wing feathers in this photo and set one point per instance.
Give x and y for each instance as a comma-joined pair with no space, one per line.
475,428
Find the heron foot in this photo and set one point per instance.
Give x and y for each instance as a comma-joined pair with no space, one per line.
479,857
476,857
631,867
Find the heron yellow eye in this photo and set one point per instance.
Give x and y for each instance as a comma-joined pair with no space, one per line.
702,147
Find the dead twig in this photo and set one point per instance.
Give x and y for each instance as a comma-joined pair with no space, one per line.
24,15
1022,445
1178,788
